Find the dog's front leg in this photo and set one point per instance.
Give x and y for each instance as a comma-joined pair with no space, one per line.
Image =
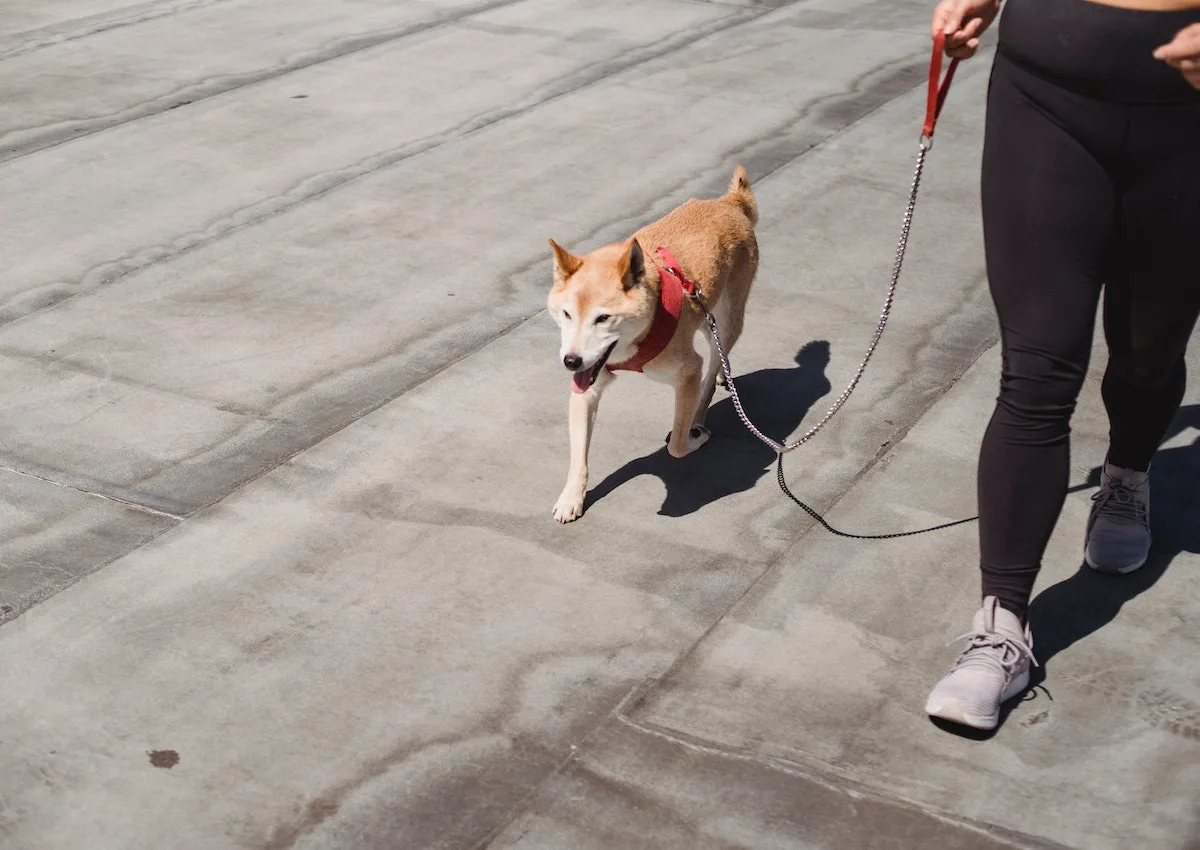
582,418
686,435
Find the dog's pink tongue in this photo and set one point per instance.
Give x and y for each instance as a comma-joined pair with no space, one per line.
581,381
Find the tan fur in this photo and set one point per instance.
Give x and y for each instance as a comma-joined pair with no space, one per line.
714,243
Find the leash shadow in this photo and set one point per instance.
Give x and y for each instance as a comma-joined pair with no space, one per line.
1066,613
733,460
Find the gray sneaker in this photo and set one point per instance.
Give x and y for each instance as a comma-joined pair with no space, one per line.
1118,530
993,669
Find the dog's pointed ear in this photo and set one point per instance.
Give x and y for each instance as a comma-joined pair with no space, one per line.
565,263
634,266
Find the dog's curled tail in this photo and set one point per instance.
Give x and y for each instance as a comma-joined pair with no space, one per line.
741,194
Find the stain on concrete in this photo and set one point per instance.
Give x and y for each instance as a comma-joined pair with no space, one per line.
163,758
1034,720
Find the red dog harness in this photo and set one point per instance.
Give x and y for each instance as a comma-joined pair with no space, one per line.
666,317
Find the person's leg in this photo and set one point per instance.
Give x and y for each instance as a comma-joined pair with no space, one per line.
1151,303
1153,299
1049,212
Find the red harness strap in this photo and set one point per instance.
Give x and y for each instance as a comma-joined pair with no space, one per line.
666,316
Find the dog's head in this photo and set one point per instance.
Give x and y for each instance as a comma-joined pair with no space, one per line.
602,306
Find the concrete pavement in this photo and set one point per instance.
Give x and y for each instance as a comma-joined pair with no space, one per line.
284,424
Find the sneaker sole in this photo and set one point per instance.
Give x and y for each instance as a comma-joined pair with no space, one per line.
1114,571
953,710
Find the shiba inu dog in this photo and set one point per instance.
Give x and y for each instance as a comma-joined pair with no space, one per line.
627,307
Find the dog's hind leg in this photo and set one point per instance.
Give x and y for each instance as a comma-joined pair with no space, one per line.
686,435
582,419
708,385
729,325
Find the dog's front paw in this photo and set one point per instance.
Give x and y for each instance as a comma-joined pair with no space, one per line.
697,437
569,507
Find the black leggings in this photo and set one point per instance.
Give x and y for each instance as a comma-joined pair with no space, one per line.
1091,184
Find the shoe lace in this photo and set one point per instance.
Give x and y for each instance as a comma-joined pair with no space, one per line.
1118,500
1010,653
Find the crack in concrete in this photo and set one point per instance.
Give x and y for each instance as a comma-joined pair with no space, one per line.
30,41
134,505
80,366
63,133
819,773
548,755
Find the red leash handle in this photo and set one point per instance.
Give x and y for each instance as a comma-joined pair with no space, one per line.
938,88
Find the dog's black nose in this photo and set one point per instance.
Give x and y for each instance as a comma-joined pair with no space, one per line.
573,362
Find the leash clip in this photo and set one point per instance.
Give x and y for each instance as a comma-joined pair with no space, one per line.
689,288
692,292
671,267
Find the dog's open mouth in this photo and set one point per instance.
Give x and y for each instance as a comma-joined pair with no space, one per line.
584,378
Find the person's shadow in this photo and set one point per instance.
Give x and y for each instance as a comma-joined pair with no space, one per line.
1086,602
1076,607
733,460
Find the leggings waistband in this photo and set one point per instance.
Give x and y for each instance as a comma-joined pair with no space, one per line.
1101,51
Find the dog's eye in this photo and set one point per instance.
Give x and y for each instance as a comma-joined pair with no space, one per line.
566,315
602,318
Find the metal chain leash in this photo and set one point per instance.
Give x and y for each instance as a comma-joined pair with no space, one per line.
727,369
812,512
783,448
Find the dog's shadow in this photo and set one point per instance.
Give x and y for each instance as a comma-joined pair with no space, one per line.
1076,607
733,460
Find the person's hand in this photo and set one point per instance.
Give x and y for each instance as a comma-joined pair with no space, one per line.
1183,54
963,21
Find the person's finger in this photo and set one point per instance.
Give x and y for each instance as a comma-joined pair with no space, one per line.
1171,52
965,51
950,26
971,30
1185,45
1193,77
943,22
953,20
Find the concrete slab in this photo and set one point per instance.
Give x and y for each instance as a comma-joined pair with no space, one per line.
118,71
24,24
816,667
81,215
52,535
95,439
637,787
